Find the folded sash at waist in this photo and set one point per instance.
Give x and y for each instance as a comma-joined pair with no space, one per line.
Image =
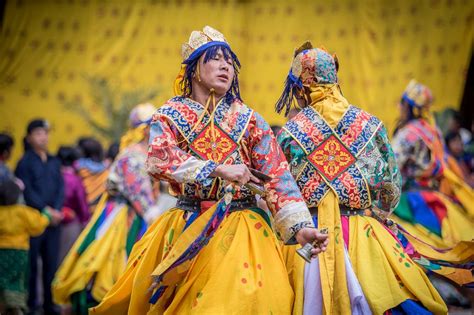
201,205
196,205
345,211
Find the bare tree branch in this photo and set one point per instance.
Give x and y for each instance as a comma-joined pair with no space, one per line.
115,104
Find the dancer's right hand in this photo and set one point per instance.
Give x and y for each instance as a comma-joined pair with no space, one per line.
309,235
237,173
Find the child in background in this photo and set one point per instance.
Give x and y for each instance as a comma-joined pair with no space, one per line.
17,224
6,147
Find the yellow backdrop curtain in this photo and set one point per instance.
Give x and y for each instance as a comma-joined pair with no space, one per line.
47,47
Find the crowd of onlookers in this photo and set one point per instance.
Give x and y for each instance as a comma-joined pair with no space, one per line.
44,205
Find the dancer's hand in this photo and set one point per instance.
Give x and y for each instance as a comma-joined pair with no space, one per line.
237,173
310,235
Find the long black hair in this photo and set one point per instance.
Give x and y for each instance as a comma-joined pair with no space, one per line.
9,192
67,155
6,143
91,148
414,112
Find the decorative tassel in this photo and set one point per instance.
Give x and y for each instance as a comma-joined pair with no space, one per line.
178,82
158,293
212,98
286,98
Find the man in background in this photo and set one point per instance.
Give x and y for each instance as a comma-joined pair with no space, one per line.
44,189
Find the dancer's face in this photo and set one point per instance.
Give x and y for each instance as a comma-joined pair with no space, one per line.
404,112
217,73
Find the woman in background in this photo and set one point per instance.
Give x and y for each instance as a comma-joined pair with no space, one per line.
75,209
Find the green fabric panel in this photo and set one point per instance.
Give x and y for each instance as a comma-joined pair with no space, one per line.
90,237
133,233
403,211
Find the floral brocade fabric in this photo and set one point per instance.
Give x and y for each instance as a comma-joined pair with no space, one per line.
359,166
185,150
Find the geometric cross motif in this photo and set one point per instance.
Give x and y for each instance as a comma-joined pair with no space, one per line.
331,158
216,150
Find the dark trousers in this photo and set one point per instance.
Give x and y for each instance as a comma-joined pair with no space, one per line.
45,246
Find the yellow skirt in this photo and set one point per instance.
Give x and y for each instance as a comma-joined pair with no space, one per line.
457,233
104,258
384,271
240,271
456,227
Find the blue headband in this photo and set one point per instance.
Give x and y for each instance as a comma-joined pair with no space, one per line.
141,122
409,101
295,80
198,52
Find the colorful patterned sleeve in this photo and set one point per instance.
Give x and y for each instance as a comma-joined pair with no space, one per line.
167,161
284,140
128,178
283,196
390,179
293,152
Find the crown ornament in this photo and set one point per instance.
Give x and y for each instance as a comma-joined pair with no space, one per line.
198,39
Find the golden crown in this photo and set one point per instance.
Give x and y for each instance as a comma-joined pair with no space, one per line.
199,38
